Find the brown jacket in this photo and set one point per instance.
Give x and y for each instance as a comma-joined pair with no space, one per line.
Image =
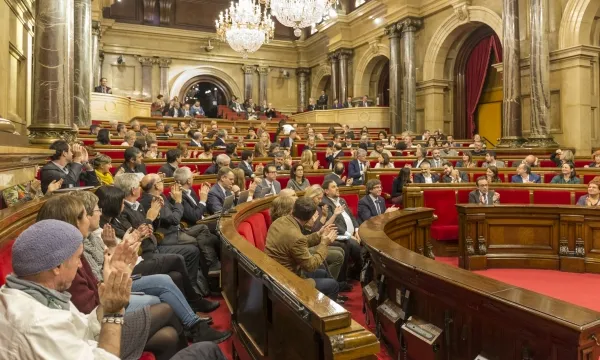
289,247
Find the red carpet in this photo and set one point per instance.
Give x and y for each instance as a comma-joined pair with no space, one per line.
222,321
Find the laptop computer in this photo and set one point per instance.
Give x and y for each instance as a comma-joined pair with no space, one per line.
227,205
243,196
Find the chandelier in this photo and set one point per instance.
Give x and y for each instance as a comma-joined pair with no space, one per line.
244,27
299,14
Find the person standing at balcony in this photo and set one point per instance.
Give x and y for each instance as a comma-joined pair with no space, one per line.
103,87
323,100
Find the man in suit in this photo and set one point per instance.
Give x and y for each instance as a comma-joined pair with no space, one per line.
280,163
372,204
332,153
483,195
346,224
336,175
524,175
246,163
133,161
426,135
348,102
289,141
364,102
103,87
269,185
446,151
358,167
529,160
490,160
221,136
171,214
452,175
349,133
174,159
426,177
168,131
68,166
336,105
379,150
194,205
436,159
175,111
196,139
323,100
287,245
221,161
223,188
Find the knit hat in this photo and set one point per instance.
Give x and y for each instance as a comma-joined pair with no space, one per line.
44,246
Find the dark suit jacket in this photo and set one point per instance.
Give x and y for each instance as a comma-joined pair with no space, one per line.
139,168
475,197
347,104
216,198
173,110
310,107
167,169
129,218
98,89
463,176
338,106
51,172
192,212
331,159
363,104
168,221
366,208
532,178
354,172
322,101
339,220
338,180
420,179
350,135
263,190
271,113
219,142
286,143
213,169
247,170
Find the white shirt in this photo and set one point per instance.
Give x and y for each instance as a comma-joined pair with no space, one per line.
428,180
347,219
377,206
287,128
38,332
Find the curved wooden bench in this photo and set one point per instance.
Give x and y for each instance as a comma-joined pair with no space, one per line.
275,314
464,314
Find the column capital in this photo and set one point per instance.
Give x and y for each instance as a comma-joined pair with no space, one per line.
393,30
305,71
164,62
344,53
146,60
410,24
263,70
248,69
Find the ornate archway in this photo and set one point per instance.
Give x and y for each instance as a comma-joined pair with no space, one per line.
221,79
319,81
577,23
365,66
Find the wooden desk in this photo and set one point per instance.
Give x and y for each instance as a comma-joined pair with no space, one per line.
529,236
369,116
477,315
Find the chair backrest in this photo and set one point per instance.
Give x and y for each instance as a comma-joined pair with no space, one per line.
552,197
245,229
440,200
259,230
6,261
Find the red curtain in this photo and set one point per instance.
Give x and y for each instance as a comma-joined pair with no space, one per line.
476,73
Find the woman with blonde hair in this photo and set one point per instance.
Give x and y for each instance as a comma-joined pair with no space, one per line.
307,160
129,139
260,150
239,179
282,206
564,156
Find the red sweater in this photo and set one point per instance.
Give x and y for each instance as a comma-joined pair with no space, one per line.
84,289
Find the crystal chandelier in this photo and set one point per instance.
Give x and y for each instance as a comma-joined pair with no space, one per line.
244,27
299,14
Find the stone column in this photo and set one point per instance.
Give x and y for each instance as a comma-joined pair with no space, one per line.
512,128
248,80
263,77
147,63
335,85
82,76
96,64
393,32
540,77
409,81
344,56
53,72
163,64
303,76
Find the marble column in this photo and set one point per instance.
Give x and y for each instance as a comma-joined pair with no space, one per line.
344,56
303,76
409,80
263,77
96,65
248,80
334,60
512,129
147,63
53,72
163,64
540,77
393,33
82,54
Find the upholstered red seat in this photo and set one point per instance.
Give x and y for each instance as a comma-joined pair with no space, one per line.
153,168
547,163
463,196
588,178
283,180
5,261
315,179
387,182
547,178
514,196
267,215
551,197
352,202
116,154
579,194
245,229
259,230
399,164
444,201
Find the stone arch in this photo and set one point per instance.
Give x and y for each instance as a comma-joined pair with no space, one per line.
183,80
317,80
577,23
451,30
365,66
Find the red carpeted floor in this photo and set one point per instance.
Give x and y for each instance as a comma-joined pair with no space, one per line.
569,287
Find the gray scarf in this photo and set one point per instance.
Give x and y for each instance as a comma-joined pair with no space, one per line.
50,298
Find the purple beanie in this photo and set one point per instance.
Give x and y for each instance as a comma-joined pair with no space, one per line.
44,246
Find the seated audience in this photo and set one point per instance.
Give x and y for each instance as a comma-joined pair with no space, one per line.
197,110
364,102
436,160
379,149
477,138
483,195
194,204
135,126
337,175
174,159
383,162
133,162
251,134
431,142
103,87
144,130
451,143
269,185
592,199
426,177
260,150
246,163
103,137
168,131
490,160
333,153
152,152
230,150
297,181
102,165
207,154
129,138
121,130
68,165
221,138
160,127
239,179
282,206
408,142
404,177
348,102
425,137
466,161
446,151
420,154
289,141
158,106
372,204
567,176
492,175
358,167
196,139
563,157
224,187
270,111
273,149
175,111
311,105
307,160
452,175
524,175
222,160
281,161
595,159
478,148
287,244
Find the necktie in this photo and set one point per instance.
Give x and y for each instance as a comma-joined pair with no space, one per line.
273,188
377,207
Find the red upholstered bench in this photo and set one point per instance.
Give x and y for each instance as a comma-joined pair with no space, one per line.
446,226
547,177
551,197
352,202
514,196
245,229
315,179
153,168
259,229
